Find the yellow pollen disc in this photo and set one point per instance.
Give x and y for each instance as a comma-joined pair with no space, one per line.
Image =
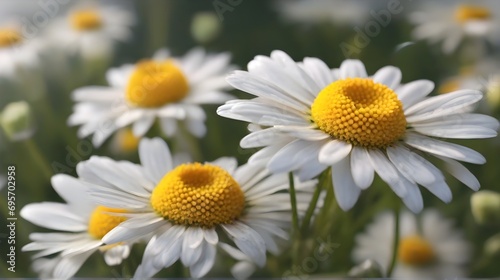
465,13
198,194
86,20
154,84
414,250
361,112
101,222
9,37
127,141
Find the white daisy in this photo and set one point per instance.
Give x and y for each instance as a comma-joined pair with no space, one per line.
170,89
313,118
314,11
191,206
80,225
91,30
429,247
18,54
452,21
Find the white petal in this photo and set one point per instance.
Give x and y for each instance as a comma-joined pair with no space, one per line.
414,92
259,138
442,105
127,232
68,266
260,87
445,149
142,125
248,241
346,191
205,263
334,151
196,127
168,126
413,198
227,163
461,173
362,170
243,270
319,71
283,160
155,157
352,68
53,215
211,236
389,76
457,132
387,172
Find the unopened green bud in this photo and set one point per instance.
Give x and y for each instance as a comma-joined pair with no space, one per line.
492,245
367,269
205,27
486,207
493,91
16,121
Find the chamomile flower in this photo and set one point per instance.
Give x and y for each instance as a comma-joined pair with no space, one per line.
190,207
80,225
308,118
429,247
164,88
452,21
91,30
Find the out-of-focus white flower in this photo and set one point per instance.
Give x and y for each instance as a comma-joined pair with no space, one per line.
91,29
80,225
452,21
164,88
429,247
485,207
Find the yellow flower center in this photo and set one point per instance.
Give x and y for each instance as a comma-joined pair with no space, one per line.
127,141
86,20
465,13
9,37
154,84
100,222
198,194
361,112
414,250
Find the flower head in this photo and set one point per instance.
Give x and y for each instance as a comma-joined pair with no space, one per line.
190,207
80,226
451,22
308,117
165,88
428,247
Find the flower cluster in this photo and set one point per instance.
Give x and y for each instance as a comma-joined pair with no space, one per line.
156,186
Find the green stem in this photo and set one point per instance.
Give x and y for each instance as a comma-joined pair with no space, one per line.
293,201
313,203
38,158
395,246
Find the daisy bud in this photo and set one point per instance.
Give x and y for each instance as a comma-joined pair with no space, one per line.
492,245
16,121
367,269
486,207
205,27
493,92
